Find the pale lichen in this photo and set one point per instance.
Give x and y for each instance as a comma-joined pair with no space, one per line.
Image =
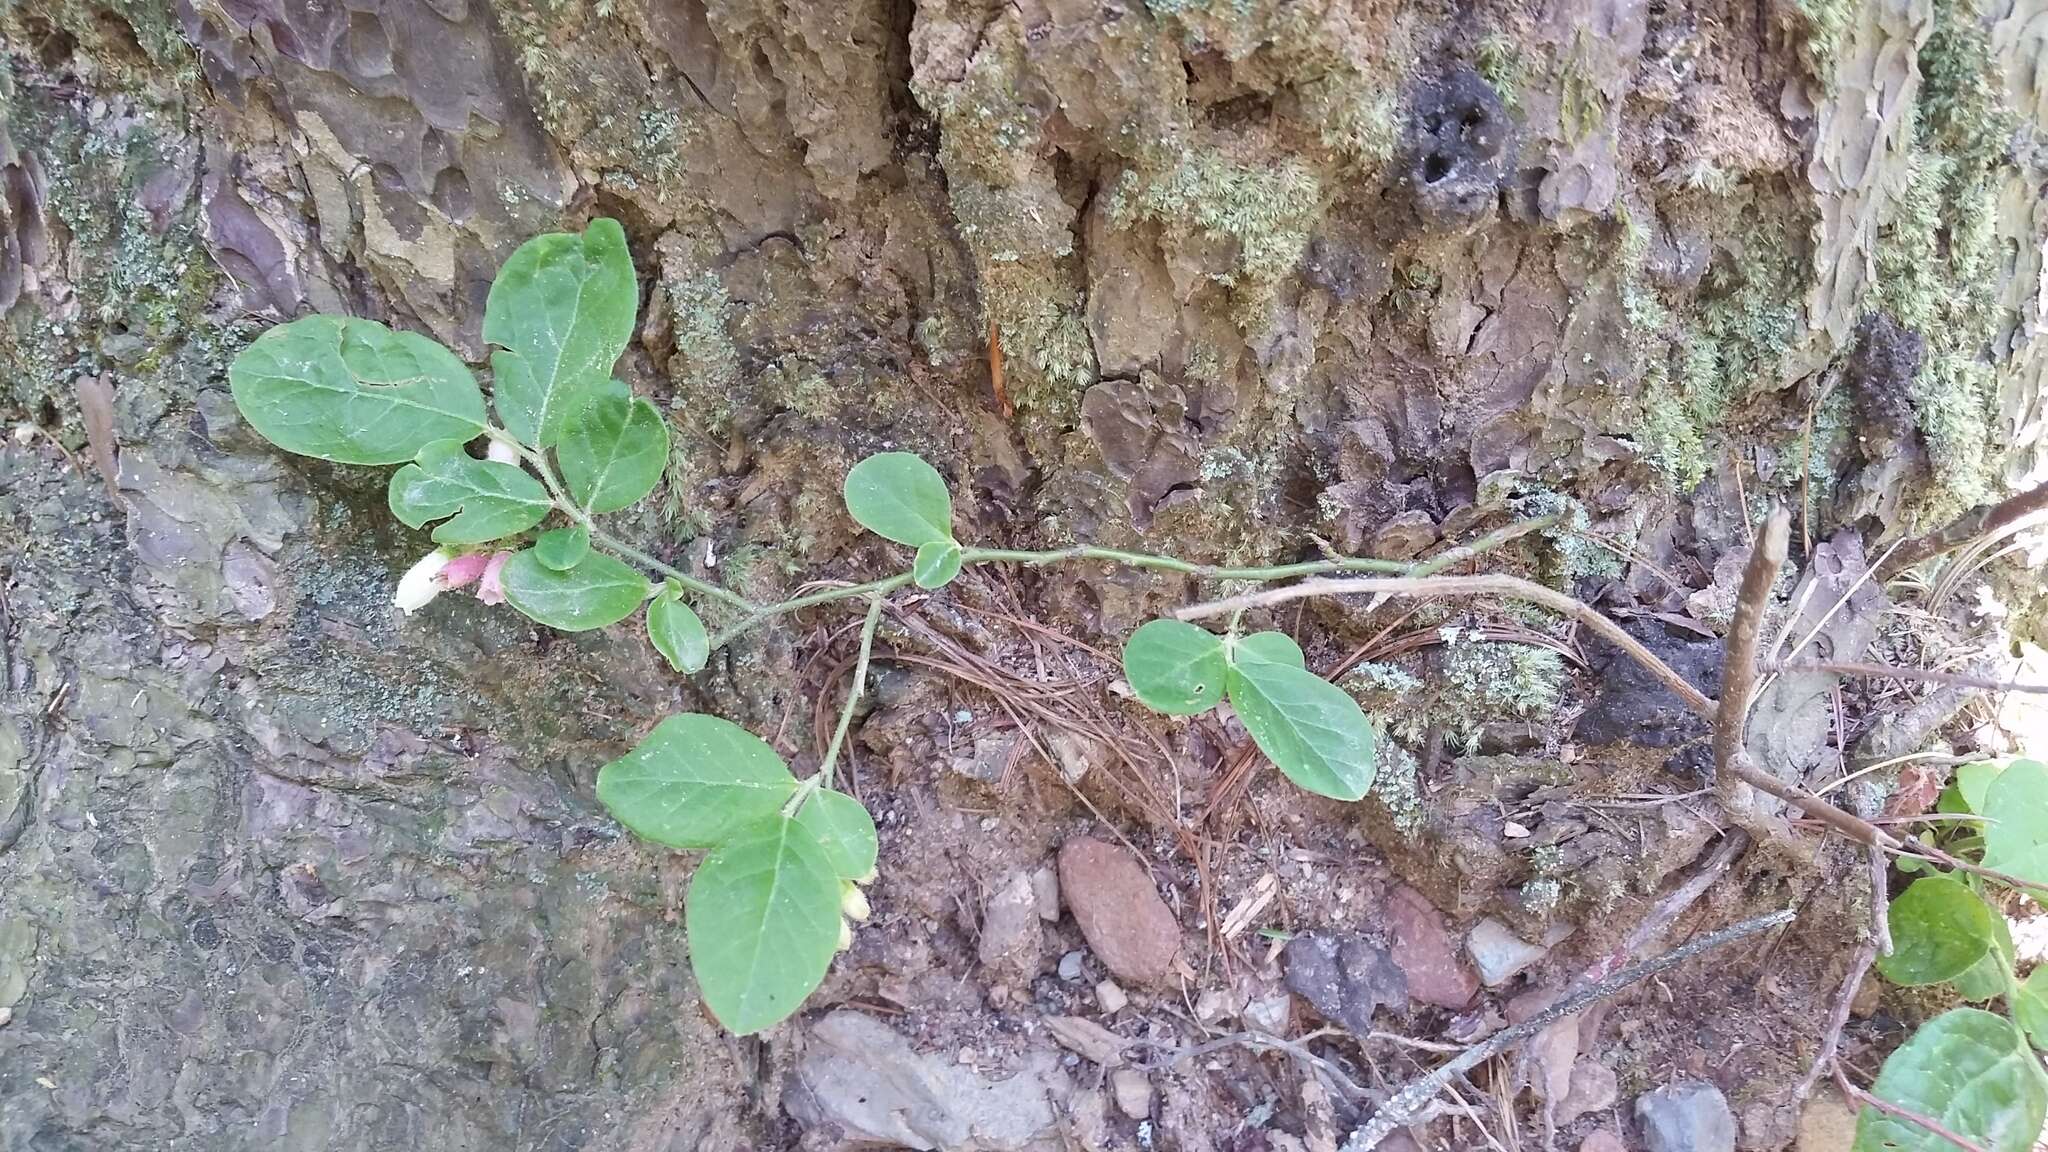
1265,209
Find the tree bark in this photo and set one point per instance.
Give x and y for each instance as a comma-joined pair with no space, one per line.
279,869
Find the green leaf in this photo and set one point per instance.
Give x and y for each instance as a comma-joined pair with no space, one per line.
1175,667
597,591
1991,975
1268,648
694,782
562,309
562,548
2031,1007
1939,929
1967,1070
612,450
763,919
936,565
1309,728
1973,780
354,391
899,497
2016,803
488,500
844,830
678,634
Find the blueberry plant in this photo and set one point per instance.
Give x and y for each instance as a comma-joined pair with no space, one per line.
517,489
1972,1071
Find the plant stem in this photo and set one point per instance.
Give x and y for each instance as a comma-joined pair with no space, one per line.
610,543
1185,567
858,688
763,613
626,551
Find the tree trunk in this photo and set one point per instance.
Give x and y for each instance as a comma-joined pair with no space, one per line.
1221,278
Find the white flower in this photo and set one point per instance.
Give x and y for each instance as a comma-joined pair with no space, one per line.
502,452
420,583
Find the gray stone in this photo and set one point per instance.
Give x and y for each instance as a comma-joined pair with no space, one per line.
1070,966
1345,980
1010,928
858,1075
1593,1087
1045,890
1498,953
1686,1116
1133,1092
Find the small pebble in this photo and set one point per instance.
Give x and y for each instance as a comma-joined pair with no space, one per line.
1686,1116
1133,1091
1110,997
1070,966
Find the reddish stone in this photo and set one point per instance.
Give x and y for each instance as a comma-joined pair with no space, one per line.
1426,952
1120,913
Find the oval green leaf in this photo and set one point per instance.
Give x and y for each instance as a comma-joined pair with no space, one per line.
1268,648
899,497
2030,1007
2016,803
1175,667
694,782
354,391
1312,730
613,450
678,634
1967,1070
936,565
562,548
487,500
1940,928
763,919
597,591
562,309
844,830
1973,781
1990,976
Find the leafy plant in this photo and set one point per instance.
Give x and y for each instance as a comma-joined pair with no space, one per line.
779,888
1969,1070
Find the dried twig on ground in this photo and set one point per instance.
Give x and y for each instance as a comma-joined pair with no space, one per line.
1666,911
1405,1104
1983,521
1838,1019
1335,1076
1888,671
1859,1096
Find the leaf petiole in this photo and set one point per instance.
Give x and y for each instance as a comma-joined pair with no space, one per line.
811,784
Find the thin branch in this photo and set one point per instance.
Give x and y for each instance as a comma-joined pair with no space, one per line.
1404,1105
1510,587
1928,853
1983,521
1859,1096
1738,667
1344,1084
1838,1018
1854,827
1888,671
